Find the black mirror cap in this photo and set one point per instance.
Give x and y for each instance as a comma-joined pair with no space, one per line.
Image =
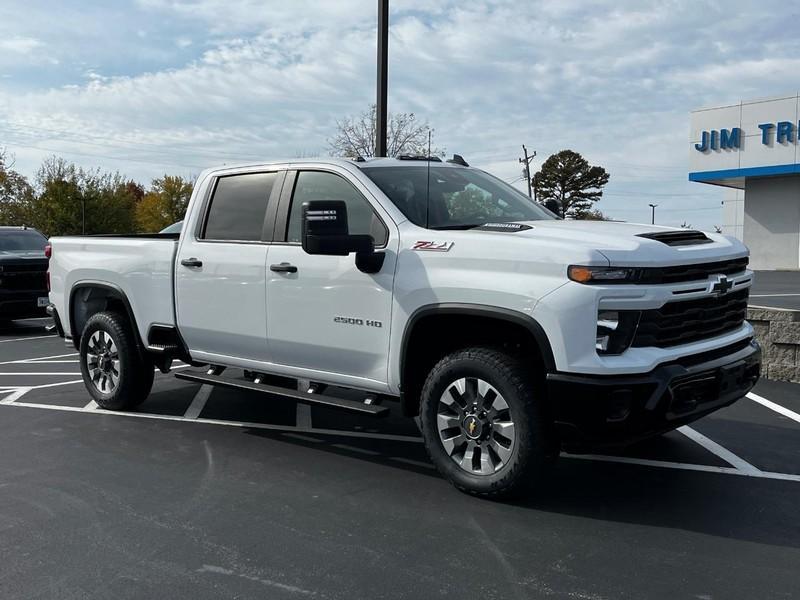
325,230
338,245
325,217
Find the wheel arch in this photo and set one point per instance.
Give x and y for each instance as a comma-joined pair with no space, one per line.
493,325
99,296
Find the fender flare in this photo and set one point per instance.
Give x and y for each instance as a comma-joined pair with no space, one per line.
478,310
117,292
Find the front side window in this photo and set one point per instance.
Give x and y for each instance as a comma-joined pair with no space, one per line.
320,185
453,198
238,207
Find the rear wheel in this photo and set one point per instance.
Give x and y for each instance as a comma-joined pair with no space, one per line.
485,424
115,372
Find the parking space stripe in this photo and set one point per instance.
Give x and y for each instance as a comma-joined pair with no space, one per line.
241,424
37,359
198,402
45,374
685,466
713,447
14,395
25,339
773,406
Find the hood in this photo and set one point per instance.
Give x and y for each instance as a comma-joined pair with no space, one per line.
623,244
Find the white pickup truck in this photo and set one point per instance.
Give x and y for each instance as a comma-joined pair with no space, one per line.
510,333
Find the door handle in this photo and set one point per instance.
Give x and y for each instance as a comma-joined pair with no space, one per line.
284,267
192,262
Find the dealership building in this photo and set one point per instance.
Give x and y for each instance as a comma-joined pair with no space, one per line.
751,148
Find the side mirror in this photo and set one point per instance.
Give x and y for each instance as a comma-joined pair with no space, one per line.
325,230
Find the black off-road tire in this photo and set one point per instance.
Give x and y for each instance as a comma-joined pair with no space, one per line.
135,370
534,449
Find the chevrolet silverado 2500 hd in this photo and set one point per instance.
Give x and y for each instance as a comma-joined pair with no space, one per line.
509,332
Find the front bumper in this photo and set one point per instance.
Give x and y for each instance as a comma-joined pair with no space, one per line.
596,410
21,304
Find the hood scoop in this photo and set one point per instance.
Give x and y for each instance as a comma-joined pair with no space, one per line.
686,237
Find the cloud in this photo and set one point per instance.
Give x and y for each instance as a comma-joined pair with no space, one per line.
161,85
20,44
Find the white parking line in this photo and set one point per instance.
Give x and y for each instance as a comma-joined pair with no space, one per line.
44,374
685,466
14,395
713,447
198,402
25,339
37,359
772,295
240,424
776,407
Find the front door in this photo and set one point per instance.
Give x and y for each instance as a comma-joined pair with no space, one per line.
220,271
327,315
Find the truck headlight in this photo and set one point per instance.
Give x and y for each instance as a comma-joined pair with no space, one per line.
590,275
615,330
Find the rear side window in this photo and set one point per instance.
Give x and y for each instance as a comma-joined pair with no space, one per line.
238,207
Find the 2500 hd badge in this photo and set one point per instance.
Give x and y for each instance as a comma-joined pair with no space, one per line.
356,321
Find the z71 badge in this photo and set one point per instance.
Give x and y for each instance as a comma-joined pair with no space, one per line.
433,246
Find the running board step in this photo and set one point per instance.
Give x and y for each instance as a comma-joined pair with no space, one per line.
306,398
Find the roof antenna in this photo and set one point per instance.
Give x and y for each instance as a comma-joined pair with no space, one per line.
428,192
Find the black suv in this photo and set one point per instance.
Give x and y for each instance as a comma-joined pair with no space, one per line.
23,273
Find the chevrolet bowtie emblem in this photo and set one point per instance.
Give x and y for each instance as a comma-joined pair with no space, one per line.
722,285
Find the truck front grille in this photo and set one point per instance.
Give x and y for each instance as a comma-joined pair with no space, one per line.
694,272
678,323
23,277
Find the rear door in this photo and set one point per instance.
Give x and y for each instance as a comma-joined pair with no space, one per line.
221,265
327,315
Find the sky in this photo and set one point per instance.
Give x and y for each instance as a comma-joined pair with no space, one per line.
148,87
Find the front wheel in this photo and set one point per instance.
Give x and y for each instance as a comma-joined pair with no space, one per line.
114,371
484,423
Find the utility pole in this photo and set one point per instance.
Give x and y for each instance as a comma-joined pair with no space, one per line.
383,77
526,166
653,219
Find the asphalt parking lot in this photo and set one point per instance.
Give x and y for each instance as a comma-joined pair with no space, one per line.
776,289
211,493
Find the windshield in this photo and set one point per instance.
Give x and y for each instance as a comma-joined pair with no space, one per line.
21,240
459,198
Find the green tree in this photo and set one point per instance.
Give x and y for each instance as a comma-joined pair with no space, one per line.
164,203
16,195
567,178
72,200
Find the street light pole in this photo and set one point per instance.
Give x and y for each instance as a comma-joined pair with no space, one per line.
383,78
653,219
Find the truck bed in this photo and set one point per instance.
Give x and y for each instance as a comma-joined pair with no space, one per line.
141,266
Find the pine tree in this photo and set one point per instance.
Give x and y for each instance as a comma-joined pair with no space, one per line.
568,179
